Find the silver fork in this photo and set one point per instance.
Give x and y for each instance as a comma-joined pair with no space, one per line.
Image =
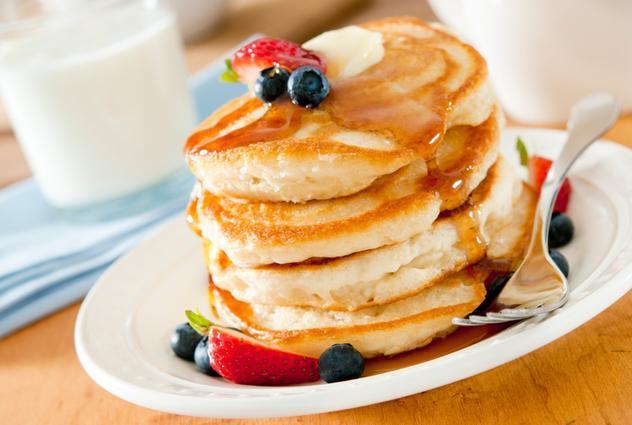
538,287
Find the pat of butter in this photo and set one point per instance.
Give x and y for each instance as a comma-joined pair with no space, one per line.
348,51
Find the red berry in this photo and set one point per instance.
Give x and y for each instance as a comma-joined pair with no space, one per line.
265,52
564,195
244,360
538,169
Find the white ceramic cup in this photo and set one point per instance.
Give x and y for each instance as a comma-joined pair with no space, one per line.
544,55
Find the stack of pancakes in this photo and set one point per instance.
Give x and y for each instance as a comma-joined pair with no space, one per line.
370,220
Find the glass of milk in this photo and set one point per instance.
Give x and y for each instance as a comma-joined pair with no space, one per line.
96,91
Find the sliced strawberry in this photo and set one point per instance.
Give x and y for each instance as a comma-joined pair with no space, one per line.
244,360
265,52
538,169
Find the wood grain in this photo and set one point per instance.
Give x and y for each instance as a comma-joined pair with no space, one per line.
584,377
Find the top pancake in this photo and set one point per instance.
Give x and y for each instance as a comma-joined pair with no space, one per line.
373,123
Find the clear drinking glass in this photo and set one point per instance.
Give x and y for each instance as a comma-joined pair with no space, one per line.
96,91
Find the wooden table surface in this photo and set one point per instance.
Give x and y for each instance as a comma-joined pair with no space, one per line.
584,377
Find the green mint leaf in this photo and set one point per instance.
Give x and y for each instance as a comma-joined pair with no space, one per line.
202,318
522,151
198,322
229,75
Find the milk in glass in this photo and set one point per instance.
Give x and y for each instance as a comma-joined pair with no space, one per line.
98,98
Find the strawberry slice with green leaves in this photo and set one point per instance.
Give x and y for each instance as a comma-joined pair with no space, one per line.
250,59
538,169
245,360
242,359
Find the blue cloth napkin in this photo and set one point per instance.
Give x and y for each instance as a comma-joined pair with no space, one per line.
51,258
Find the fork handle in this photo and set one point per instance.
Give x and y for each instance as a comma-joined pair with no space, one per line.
589,119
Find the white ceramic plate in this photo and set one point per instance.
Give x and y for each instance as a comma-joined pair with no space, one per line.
123,327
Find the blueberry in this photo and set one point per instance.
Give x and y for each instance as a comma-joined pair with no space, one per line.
184,339
561,230
202,359
340,362
560,261
271,83
307,86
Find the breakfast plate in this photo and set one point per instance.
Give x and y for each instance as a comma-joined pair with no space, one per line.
122,331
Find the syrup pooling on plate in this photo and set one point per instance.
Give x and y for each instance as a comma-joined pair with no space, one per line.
461,338
407,111
458,340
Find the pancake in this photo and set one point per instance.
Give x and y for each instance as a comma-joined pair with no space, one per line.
392,328
393,209
509,237
373,123
384,274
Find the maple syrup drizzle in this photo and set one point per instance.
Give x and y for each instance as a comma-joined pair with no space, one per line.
458,157
462,337
372,101
191,212
472,242
470,234
282,119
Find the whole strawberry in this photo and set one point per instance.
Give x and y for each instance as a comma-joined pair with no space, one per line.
262,53
244,360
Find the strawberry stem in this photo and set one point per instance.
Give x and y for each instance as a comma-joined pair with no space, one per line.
229,75
198,322
522,151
